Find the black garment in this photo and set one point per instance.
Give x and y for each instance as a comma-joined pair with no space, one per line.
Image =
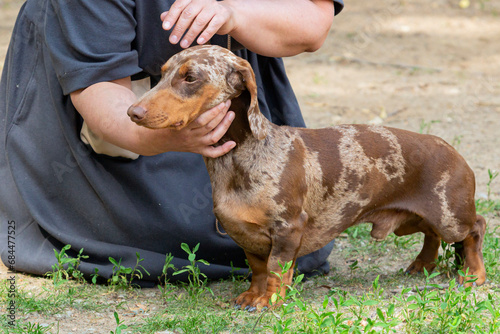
58,191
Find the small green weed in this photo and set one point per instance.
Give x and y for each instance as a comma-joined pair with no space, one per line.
353,267
488,205
285,320
119,325
425,127
447,262
238,279
491,252
276,297
338,313
30,328
122,276
197,281
457,140
165,287
66,266
94,276
422,303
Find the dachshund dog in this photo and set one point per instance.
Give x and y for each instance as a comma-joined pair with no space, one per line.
284,192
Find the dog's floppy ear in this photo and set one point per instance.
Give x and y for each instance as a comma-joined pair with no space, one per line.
246,79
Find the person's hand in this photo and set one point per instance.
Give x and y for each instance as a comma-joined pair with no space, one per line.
202,18
200,135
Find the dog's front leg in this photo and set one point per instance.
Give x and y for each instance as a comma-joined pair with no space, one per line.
258,287
286,238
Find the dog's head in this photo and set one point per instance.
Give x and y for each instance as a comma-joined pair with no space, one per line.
194,81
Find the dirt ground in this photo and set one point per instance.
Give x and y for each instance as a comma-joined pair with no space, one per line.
421,64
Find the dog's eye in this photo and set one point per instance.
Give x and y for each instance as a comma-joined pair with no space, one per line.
190,78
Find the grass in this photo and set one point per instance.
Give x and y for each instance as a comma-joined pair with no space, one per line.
366,292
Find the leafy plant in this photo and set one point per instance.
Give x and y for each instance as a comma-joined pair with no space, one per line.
491,252
276,297
488,205
447,260
421,303
35,328
197,281
319,320
95,276
458,309
66,266
123,276
164,278
387,320
405,241
457,140
492,175
425,127
119,325
353,267
494,312
378,291
284,322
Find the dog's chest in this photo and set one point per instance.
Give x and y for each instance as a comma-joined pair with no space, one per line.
245,208
245,185
249,177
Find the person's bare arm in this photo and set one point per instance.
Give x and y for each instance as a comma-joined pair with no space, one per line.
268,27
104,106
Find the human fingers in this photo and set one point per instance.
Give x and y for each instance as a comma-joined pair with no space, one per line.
162,18
181,16
202,21
202,18
210,20
209,128
208,116
217,151
213,137
196,141
215,25
172,15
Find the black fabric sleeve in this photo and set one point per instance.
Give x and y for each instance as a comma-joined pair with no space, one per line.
339,5
90,41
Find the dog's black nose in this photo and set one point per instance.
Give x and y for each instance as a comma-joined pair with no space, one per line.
136,113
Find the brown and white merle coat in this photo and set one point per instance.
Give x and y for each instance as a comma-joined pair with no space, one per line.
284,192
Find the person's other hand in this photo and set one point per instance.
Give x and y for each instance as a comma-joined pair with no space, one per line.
202,18
200,135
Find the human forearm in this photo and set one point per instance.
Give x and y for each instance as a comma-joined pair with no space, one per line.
275,28
267,27
104,107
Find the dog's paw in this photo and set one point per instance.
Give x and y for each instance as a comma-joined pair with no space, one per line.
245,300
418,267
251,302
